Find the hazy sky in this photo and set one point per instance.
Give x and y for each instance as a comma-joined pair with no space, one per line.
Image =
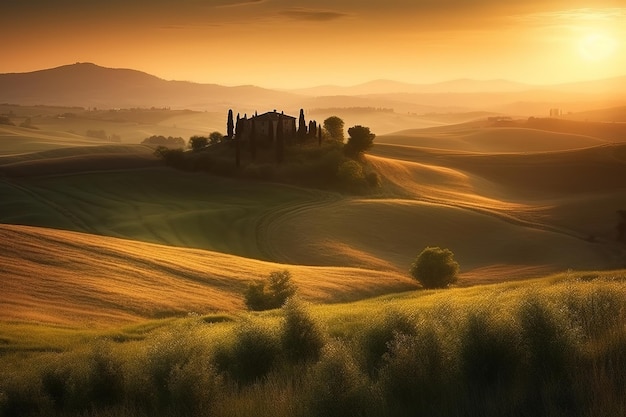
294,43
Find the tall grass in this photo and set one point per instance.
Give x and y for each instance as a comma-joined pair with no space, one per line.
555,347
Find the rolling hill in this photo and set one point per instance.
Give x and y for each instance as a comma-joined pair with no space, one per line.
81,280
89,85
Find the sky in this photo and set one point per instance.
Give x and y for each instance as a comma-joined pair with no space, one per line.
294,43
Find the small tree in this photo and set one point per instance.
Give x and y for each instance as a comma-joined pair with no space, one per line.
361,139
270,294
435,268
196,143
334,126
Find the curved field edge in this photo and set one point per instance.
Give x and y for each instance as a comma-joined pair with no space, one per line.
77,279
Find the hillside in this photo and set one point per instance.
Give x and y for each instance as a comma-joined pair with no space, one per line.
89,85
76,279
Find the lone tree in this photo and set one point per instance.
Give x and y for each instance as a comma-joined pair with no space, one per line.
360,140
334,126
271,293
435,268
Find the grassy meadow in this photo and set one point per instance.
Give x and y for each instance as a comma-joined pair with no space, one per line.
551,347
123,279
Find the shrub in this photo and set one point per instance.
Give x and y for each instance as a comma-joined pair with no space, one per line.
550,343
491,359
350,174
194,387
377,337
416,374
373,179
172,157
252,354
272,294
301,337
435,268
338,387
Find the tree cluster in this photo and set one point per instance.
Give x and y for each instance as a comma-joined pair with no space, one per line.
169,142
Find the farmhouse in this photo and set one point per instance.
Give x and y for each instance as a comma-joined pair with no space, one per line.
263,121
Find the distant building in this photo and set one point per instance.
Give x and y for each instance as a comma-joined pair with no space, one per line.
262,125
556,112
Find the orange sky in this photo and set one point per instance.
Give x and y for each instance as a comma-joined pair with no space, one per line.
293,43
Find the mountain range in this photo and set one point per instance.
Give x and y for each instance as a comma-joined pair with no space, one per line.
90,85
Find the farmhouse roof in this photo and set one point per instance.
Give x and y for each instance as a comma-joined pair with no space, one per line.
272,115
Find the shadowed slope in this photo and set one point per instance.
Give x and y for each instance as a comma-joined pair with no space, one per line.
77,279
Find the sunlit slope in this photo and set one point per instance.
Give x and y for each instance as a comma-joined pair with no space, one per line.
580,190
19,140
77,279
474,137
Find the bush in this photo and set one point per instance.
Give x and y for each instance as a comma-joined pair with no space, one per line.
417,374
435,268
272,294
194,387
378,336
301,337
350,174
172,157
338,387
252,355
491,358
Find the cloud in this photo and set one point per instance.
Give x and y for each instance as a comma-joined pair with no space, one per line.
312,15
577,15
235,3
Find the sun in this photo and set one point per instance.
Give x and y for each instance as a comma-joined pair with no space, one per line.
597,47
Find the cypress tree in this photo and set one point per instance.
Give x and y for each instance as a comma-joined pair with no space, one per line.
253,140
301,125
270,130
319,135
238,133
280,141
230,126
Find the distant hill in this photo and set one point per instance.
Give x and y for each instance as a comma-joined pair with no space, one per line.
89,85
613,114
389,87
